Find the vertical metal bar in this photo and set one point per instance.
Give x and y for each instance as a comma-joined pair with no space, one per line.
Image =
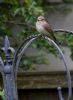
9,86
8,73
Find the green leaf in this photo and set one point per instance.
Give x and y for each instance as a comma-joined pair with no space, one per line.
16,11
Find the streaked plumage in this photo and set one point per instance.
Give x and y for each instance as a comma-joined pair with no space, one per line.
44,27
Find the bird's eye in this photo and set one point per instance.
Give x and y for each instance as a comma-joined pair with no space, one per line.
40,19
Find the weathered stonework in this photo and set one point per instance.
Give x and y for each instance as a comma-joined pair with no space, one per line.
41,80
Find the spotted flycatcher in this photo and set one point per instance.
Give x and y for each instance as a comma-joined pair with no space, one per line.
44,27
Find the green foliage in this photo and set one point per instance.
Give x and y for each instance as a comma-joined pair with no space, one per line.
2,94
23,14
66,39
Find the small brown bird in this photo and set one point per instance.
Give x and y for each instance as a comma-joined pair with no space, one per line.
43,26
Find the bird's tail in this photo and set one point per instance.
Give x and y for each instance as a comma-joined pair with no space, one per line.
56,41
53,38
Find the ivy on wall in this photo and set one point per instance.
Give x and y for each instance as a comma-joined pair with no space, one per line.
23,14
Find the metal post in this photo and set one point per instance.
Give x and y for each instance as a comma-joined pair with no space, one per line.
7,72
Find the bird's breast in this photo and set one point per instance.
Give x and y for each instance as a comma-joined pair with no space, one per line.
40,28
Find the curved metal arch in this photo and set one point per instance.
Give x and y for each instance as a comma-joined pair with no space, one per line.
19,56
68,73
30,37
62,30
19,49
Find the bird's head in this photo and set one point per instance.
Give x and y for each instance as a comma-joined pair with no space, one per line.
40,18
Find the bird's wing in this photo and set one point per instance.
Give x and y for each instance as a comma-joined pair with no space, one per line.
47,27
50,31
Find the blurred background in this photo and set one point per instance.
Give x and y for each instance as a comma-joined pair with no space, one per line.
17,20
